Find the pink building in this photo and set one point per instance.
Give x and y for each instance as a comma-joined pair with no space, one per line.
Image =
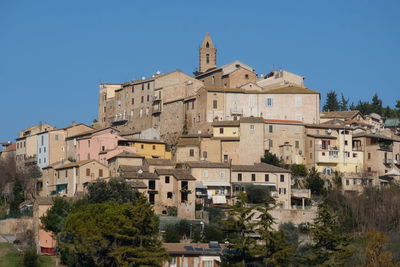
100,147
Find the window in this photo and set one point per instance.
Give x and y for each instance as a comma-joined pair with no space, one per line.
191,153
204,154
141,112
252,127
42,140
184,198
270,128
142,86
100,172
152,198
222,174
345,142
103,148
56,137
205,173
207,58
142,146
148,98
298,101
192,104
268,102
148,86
40,150
133,101
246,76
87,172
253,177
369,155
215,104
239,177
296,144
184,185
152,184
76,171
167,179
66,174
267,177
44,149
221,130
369,169
347,182
271,143
282,178
226,158
142,99
169,195
154,147
209,263
88,143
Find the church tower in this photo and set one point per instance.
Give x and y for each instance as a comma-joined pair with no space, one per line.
207,54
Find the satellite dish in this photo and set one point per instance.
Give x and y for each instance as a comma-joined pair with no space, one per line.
140,171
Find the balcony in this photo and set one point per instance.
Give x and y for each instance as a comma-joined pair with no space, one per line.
301,193
328,147
117,119
156,98
156,110
386,147
357,148
236,111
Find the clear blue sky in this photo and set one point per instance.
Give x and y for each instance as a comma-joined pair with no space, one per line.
53,54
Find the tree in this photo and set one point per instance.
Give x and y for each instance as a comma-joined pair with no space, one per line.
272,159
116,189
113,234
291,233
315,183
376,254
31,258
257,194
343,105
331,104
376,105
273,250
18,196
185,129
331,247
53,220
240,229
299,170
398,105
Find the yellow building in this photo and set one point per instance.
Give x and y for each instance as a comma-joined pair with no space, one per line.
147,148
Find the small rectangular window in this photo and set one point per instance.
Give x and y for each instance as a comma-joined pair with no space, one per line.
215,104
282,178
253,177
296,144
152,184
270,128
239,177
221,130
133,101
204,154
167,179
267,177
100,172
252,126
268,102
142,99
191,153
87,172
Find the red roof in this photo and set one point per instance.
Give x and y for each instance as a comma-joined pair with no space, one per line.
283,121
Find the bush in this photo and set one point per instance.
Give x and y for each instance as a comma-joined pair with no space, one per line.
290,232
31,258
172,211
299,170
215,215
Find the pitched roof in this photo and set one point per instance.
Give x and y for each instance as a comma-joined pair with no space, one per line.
183,142
136,184
179,174
129,168
77,164
283,121
258,167
150,141
206,164
251,120
140,175
291,89
160,162
126,154
372,135
90,132
322,136
225,123
349,114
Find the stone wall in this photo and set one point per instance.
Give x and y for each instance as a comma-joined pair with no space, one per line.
14,226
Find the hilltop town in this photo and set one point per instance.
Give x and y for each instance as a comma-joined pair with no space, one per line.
193,142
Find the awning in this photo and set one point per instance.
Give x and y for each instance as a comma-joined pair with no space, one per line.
200,185
393,172
219,199
216,183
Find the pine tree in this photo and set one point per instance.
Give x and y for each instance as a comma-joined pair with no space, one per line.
332,103
376,105
240,229
331,246
343,106
18,196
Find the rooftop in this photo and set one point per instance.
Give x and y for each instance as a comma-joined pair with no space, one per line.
349,114
258,167
207,164
179,174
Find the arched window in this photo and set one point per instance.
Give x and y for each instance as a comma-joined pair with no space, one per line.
208,58
207,45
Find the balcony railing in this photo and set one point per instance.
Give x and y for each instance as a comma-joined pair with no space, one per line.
357,148
120,118
385,147
237,111
328,147
156,109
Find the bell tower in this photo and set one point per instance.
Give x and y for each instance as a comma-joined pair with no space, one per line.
207,54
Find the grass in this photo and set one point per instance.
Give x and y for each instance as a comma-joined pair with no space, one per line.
10,257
